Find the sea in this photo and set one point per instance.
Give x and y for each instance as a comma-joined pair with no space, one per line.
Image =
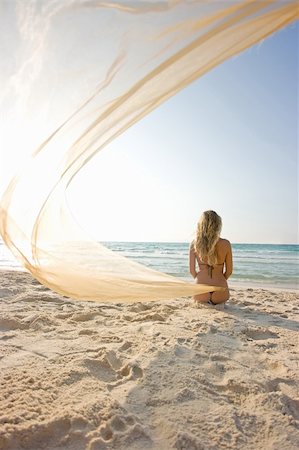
255,265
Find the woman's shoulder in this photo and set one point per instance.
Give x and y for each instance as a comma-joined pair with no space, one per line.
224,243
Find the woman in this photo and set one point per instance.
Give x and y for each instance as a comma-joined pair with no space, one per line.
213,256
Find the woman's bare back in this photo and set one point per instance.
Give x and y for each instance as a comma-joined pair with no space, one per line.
215,275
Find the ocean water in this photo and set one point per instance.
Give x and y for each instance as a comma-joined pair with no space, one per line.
263,265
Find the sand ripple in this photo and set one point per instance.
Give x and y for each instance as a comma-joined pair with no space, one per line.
162,375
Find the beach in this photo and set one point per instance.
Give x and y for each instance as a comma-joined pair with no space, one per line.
154,375
143,145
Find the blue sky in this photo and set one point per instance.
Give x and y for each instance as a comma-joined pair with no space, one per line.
228,142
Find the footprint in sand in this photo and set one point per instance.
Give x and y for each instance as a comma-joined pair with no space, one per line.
147,317
84,317
119,429
217,357
6,293
181,340
275,384
277,367
52,432
131,371
7,324
5,337
63,315
87,332
237,387
182,352
267,346
110,339
109,368
186,441
127,345
42,323
185,395
100,368
290,406
260,334
114,361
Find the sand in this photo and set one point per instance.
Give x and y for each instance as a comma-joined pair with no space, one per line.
158,375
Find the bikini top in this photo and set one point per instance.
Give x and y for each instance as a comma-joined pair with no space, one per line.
210,268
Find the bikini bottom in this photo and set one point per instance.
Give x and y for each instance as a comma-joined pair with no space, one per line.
210,302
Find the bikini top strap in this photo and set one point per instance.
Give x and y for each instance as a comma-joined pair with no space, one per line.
210,268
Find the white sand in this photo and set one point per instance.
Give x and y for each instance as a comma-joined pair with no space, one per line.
158,375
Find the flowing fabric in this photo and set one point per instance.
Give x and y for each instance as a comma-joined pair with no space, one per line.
75,74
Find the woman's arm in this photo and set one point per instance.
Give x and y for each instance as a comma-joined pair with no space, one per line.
192,261
228,262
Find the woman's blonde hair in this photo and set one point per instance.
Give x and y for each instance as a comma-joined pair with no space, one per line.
207,235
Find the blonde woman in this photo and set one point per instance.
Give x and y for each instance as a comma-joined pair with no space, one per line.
213,257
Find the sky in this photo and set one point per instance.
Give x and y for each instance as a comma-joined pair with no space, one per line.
227,142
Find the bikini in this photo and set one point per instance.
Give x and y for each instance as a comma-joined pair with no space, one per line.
210,302
210,270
